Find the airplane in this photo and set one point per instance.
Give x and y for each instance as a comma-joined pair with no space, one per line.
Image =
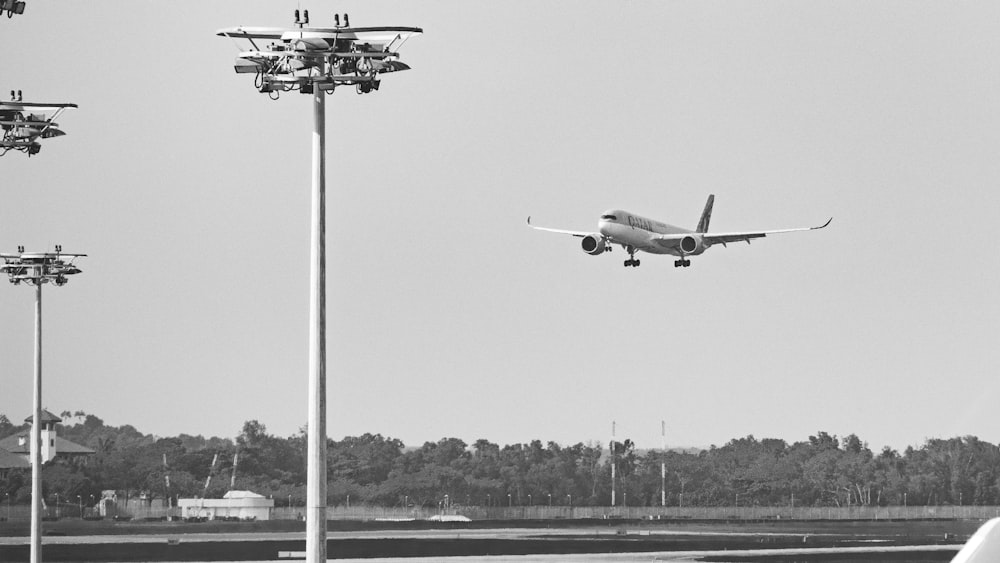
634,233
24,123
303,58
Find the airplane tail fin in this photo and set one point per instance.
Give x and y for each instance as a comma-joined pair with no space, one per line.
706,215
983,546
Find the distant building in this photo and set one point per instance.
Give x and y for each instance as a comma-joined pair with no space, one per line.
10,461
243,505
52,445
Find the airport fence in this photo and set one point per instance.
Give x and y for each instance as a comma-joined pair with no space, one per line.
22,513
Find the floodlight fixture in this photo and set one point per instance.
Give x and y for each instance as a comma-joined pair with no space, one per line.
38,269
324,57
11,7
316,61
24,124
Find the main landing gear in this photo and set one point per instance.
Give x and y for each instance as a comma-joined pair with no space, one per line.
631,258
682,262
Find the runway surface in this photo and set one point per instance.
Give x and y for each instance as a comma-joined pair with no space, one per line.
578,543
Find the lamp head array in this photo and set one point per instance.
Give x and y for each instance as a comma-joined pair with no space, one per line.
37,268
24,124
305,58
11,7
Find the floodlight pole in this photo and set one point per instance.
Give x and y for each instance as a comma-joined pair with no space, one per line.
36,435
316,466
37,269
315,61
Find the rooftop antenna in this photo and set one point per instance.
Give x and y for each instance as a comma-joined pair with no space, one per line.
336,20
297,21
305,17
347,23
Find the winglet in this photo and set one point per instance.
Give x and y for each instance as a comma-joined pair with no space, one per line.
823,225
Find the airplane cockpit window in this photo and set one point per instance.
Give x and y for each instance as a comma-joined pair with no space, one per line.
609,217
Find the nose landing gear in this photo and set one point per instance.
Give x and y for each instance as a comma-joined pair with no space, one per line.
682,263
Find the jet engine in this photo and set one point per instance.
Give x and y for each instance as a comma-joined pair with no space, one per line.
593,244
692,244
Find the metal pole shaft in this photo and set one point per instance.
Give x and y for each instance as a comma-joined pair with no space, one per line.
612,463
663,463
316,470
36,435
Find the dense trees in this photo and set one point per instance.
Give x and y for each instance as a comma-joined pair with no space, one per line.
821,471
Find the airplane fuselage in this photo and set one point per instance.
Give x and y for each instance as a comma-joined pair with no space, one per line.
639,232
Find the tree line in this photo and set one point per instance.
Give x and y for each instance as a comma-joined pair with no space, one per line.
823,470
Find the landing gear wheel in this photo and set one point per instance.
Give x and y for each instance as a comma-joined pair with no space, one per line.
686,263
628,263
635,263
677,263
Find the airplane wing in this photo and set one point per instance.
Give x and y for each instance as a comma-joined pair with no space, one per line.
983,546
560,231
723,238
708,239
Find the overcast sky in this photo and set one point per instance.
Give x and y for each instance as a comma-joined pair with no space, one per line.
447,315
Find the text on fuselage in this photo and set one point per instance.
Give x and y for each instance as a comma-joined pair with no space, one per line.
639,223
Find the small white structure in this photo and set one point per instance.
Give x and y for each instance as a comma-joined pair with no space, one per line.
242,505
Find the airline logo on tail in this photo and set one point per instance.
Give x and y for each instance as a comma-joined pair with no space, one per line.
706,215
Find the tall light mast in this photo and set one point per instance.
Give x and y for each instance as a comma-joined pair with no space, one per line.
38,269
317,61
613,460
663,463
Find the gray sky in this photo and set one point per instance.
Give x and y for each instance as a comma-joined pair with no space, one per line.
447,315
